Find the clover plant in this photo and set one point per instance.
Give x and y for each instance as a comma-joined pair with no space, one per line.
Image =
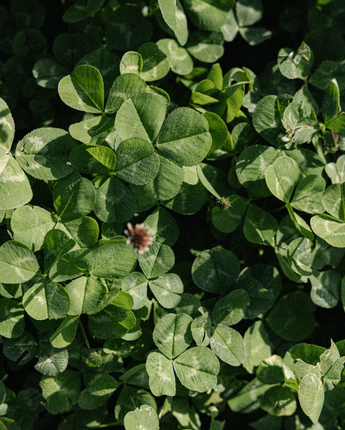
172,242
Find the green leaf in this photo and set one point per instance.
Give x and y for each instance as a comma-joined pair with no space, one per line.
257,346
248,12
127,29
73,196
157,261
214,180
304,95
107,299
111,323
189,200
71,265
134,119
255,35
52,361
201,329
30,225
292,317
206,15
143,418
282,177
230,27
296,65
325,290
300,122
15,188
172,334
112,261
93,159
328,358
329,229
228,345
259,226
137,162
123,301
308,161
85,294
82,130
228,220
215,270
84,230
135,284
205,46
48,73
10,424
333,200
12,322
139,397
46,299
216,76
331,101
44,153
162,226
65,334
161,374
166,289
98,392
22,348
165,185
308,195
114,201
131,62
17,263
337,124
279,401
7,126
184,137
299,255
56,243
231,309
123,88
252,165
197,369
83,89
267,120
174,18
81,9
311,396
61,392
327,71
155,63
248,399
179,59
234,99
253,282
271,370
326,255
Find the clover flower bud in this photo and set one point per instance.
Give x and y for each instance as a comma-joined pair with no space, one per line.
223,203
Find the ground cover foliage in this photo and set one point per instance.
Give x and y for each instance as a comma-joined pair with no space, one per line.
172,214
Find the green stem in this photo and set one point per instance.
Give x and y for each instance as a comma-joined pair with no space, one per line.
319,148
277,209
84,335
293,218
